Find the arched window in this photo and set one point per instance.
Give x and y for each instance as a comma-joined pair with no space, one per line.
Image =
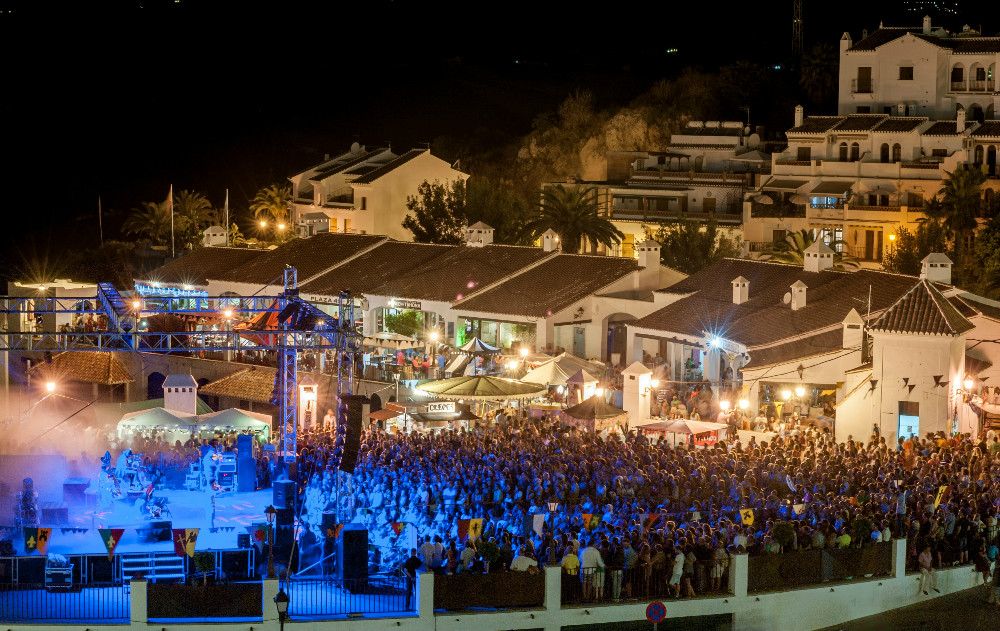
843,152
976,111
885,153
855,152
897,152
978,155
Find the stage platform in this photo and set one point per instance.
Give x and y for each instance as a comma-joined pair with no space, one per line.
188,509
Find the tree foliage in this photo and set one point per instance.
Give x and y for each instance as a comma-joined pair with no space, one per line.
439,213
906,251
500,207
150,221
957,208
689,246
271,203
792,249
407,322
986,259
193,213
818,74
573,214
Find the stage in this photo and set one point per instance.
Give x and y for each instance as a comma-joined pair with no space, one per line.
218,529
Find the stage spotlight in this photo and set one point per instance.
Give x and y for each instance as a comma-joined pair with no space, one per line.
50,386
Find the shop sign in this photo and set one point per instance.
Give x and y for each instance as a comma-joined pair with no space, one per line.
399,303
172,292
441,406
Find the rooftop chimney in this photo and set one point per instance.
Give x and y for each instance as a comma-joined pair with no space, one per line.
741,290
817,257
936,268
550,240
180,393
649,261
799,115
478,234
927,25
853,330
798,295
960,119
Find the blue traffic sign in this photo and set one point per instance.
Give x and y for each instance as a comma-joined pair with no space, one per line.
656,612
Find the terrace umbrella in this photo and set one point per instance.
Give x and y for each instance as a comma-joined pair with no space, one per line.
548,374
763,199
477,348
798,198
480,388
595,413
391,341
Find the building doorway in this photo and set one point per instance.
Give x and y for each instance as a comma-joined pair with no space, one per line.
909,419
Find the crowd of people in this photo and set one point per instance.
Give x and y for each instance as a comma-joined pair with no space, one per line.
626,502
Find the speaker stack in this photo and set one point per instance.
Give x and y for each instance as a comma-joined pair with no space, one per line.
246,463
352,439
352,557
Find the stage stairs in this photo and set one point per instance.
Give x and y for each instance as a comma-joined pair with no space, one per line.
154,566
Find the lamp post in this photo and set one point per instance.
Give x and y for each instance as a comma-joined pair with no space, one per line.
281,602
270,513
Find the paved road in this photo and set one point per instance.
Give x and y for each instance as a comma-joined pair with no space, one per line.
966,610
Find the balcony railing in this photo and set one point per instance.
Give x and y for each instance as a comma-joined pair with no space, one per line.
920,165
977,86
760,247
839,206
792,163
861,86
780,210
958,86
875,208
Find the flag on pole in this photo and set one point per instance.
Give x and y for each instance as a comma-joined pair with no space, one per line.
398,527
37,539
184,541
746,516
259,534
798,509
170,209
335,531
227,218
942,496
538,523
591,521
469,529
111,537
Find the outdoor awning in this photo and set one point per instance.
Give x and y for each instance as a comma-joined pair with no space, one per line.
752,156
785,185
974,365
832,189
384,414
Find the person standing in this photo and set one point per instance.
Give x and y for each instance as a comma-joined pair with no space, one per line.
410,567
329,421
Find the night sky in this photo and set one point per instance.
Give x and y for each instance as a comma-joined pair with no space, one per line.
110,99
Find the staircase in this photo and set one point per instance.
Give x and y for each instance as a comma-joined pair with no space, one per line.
153,566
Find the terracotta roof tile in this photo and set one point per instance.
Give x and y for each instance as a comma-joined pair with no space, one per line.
194,268
971,304
817,124
460,271
820,344
881,36
551,286
309,256
923,310
895,124
90,367
347,163
252,384
988,128
374,268
860,122
944,128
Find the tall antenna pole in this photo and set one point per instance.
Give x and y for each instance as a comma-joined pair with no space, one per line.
797,28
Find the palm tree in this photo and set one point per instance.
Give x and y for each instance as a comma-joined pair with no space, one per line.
818,74
792,250
573,214
271,202
150,221
958,208
195,212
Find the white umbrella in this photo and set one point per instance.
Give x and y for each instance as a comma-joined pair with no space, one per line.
392,341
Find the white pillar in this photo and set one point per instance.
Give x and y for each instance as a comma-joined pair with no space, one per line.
269,589
545,333
899,556
137,601
425,600
739,574
636,391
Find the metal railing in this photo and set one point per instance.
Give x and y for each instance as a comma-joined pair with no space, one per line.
332,596
95,603
781,571
861,86
605,585
977,86
958,86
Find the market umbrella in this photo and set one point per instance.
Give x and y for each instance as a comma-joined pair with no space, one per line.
476,347
763,199
798,198
548,374
593,409
687,426
480,388
391,341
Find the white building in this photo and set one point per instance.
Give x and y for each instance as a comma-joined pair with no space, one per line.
363,191
859,177
704,172
879,348
920,71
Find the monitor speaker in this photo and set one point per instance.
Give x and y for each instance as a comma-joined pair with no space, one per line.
284,494
352,557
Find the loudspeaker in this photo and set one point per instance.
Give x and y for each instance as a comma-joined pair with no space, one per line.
284,494
246,475
352,442
352,556
243,540
284,532
246,446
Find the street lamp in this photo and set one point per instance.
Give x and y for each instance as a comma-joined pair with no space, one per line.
744,404
270,513
786,394
281,602
968,383
50,386
800,392
524,352
724,405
